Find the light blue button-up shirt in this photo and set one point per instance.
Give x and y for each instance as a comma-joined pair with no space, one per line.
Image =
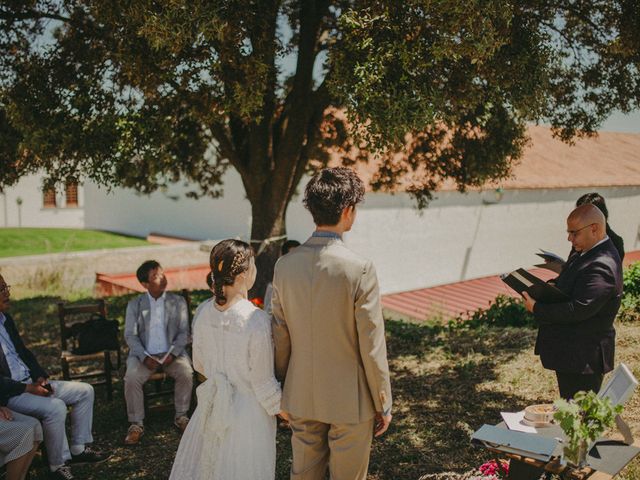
18,369
325,234
158,341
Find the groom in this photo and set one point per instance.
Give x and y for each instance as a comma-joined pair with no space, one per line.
329,339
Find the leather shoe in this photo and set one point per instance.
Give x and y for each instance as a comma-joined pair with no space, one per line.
134,434
181,422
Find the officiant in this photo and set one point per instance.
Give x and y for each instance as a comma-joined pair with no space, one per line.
157,332
576,338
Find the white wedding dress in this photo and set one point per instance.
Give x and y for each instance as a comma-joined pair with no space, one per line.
232,433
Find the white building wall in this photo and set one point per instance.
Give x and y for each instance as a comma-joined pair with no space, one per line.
458,237
32,213
170,212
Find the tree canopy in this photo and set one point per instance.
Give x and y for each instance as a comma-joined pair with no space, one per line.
142,93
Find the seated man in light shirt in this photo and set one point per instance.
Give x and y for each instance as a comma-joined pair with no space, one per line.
157,332
26,389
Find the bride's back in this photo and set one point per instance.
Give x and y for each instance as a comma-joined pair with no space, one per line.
221,340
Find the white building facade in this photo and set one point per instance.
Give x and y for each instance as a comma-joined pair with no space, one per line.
28,204
459,236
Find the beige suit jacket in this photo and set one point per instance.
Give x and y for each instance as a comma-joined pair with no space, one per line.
329,336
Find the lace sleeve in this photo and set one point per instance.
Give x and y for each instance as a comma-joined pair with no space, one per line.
197,345
263,381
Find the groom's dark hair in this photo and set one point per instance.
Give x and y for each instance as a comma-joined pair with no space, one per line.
330,191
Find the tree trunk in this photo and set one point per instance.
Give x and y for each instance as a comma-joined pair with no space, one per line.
267,236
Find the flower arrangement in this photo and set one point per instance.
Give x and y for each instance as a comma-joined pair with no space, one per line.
257,301
492,470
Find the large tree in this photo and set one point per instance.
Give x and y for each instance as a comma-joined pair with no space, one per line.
142,93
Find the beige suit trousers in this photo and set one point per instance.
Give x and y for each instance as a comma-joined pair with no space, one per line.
342,448
137,375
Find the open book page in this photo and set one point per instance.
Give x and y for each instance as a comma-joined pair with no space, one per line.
514,420
550,256
553,262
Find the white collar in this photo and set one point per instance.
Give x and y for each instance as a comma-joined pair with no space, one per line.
160,298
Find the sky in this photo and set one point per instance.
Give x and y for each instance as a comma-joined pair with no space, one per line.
619,122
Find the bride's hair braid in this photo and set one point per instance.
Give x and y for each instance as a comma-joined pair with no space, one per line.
228,259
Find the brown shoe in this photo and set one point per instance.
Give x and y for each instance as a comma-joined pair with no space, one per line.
134,434
181,422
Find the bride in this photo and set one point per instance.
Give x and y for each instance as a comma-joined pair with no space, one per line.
232,433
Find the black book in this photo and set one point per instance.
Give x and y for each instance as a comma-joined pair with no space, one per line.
541,291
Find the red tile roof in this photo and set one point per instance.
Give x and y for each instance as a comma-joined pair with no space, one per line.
192,278
451,300
609,159
444,301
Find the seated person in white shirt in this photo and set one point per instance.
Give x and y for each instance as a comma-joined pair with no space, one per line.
156,326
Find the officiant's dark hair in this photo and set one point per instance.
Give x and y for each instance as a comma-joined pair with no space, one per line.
594,199
228,259
330,191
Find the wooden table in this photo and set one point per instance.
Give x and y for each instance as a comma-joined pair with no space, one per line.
607,458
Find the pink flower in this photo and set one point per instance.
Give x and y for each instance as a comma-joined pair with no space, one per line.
492,469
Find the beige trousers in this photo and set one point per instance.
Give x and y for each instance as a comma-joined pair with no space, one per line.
137,375
343,448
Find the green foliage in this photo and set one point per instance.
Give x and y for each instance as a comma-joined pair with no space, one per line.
631,280
584,419
630,307
505,311
144,93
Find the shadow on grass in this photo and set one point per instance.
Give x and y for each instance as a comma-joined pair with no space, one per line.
437,380
437,376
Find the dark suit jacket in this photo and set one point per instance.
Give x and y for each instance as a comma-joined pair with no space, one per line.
8,387
578,336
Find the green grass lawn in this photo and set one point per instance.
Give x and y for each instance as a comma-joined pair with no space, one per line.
446,383
33,241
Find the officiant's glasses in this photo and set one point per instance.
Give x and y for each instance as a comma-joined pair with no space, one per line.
572,233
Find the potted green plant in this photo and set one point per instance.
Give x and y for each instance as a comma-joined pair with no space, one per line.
583,420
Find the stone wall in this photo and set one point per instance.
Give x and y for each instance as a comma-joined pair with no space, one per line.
77,270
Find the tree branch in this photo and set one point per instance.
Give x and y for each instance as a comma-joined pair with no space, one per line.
297,110
32,15
221,135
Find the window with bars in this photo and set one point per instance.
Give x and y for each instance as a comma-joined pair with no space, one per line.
49,198
71,194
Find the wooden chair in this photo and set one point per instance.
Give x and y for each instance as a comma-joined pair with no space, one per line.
68,358
162,383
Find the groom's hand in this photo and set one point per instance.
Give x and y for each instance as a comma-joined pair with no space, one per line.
382,423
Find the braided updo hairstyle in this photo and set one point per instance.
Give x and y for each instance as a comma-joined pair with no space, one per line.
228,259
